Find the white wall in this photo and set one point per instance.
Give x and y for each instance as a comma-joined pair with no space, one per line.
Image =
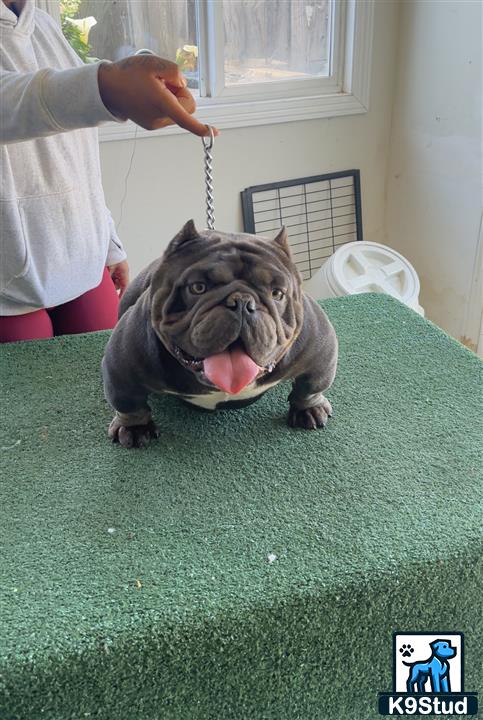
165,187
434,183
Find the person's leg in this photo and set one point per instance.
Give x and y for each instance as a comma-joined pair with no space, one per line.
94,310
30,326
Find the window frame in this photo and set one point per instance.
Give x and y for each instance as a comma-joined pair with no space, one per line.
345,92
212,71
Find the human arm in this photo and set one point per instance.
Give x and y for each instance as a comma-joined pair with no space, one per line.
146,89
45,102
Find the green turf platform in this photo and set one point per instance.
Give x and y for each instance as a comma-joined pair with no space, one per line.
137,585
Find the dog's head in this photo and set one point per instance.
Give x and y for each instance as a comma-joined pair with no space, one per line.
443,649
227,306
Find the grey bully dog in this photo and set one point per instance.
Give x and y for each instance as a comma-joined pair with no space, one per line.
217,320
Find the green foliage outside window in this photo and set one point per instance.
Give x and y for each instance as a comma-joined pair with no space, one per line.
73,34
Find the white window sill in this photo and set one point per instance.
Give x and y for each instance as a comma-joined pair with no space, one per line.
246,114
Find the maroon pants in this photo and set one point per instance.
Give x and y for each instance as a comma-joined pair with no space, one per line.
95,310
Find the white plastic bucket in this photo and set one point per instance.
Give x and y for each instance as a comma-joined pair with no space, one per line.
360,267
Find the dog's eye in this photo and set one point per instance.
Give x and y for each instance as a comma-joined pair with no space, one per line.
278,294
197,288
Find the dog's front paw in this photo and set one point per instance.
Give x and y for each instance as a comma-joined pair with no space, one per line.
132,436
310,418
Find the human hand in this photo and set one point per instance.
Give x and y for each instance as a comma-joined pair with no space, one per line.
120,276
151,92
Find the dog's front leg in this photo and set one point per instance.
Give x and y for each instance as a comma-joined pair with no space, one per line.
435,683
126,364
133,429
421,683
309,408
316,366
132,425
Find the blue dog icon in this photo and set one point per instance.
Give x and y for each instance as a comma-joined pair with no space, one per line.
436,669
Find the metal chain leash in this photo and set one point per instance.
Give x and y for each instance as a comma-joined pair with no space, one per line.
208,143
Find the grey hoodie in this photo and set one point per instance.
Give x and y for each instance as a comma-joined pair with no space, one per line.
56,234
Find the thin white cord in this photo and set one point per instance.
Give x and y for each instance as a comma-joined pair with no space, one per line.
142,51
118,224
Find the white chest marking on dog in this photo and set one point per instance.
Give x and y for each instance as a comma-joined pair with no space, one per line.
212,399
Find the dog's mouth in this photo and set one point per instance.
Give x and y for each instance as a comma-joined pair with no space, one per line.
230,371
195,364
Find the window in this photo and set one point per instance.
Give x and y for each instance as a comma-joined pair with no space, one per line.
271,41
247,61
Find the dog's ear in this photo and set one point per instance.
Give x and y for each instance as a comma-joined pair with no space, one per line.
187,233
282,241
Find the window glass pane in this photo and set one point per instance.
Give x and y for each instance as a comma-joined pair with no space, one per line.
113,29
267,40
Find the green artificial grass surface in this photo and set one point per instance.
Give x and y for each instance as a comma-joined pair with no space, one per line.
138,584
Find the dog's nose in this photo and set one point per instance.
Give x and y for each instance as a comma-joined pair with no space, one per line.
241,302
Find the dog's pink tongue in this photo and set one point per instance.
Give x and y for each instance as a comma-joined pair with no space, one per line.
231,370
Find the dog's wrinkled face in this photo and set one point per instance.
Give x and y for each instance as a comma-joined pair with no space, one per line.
228,307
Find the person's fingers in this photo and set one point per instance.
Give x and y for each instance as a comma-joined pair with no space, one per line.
157,66
124,279
170,73
164,122
187,100
170,106
120,276
184,96
121,285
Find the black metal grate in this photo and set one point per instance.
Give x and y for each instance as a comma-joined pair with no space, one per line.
321,213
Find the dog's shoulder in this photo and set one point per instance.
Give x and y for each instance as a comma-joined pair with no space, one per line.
316,344
137,287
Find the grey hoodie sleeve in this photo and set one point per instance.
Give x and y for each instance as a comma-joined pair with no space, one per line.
49,101
116,252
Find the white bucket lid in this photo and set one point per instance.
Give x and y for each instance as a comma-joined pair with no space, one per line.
360,267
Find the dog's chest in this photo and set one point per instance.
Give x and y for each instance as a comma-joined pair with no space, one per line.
211,400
